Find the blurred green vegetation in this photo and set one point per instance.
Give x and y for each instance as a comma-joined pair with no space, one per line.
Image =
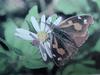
19,57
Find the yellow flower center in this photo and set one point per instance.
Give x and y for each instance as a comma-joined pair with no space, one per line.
42,36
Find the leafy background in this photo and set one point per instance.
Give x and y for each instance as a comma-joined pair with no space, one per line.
19,57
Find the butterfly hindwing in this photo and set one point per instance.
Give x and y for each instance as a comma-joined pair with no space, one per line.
58,50
62,47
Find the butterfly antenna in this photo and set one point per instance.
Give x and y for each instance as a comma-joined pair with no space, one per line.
51,26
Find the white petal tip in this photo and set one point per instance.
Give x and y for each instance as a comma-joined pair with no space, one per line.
58,20
35,24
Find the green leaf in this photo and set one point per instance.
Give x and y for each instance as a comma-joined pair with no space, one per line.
4,42
88,62
2,65
17,51
33,12
98,2
3,55
94,27
79,69
70,6
97,46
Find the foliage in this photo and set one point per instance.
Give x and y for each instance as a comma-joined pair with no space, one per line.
16,53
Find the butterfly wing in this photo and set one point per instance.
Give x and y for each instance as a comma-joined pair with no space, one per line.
77,27
62,47
70,35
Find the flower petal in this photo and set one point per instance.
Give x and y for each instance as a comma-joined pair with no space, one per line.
47,48
48,21
35,24
43,53
33,35
42,25
24,34
58,20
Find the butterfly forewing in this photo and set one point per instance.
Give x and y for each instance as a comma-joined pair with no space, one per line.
76,27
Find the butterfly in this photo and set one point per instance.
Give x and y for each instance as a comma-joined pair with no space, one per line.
68,36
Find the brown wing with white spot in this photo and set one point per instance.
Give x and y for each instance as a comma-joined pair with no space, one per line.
77,27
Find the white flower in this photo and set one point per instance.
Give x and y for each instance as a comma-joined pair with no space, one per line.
41,35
